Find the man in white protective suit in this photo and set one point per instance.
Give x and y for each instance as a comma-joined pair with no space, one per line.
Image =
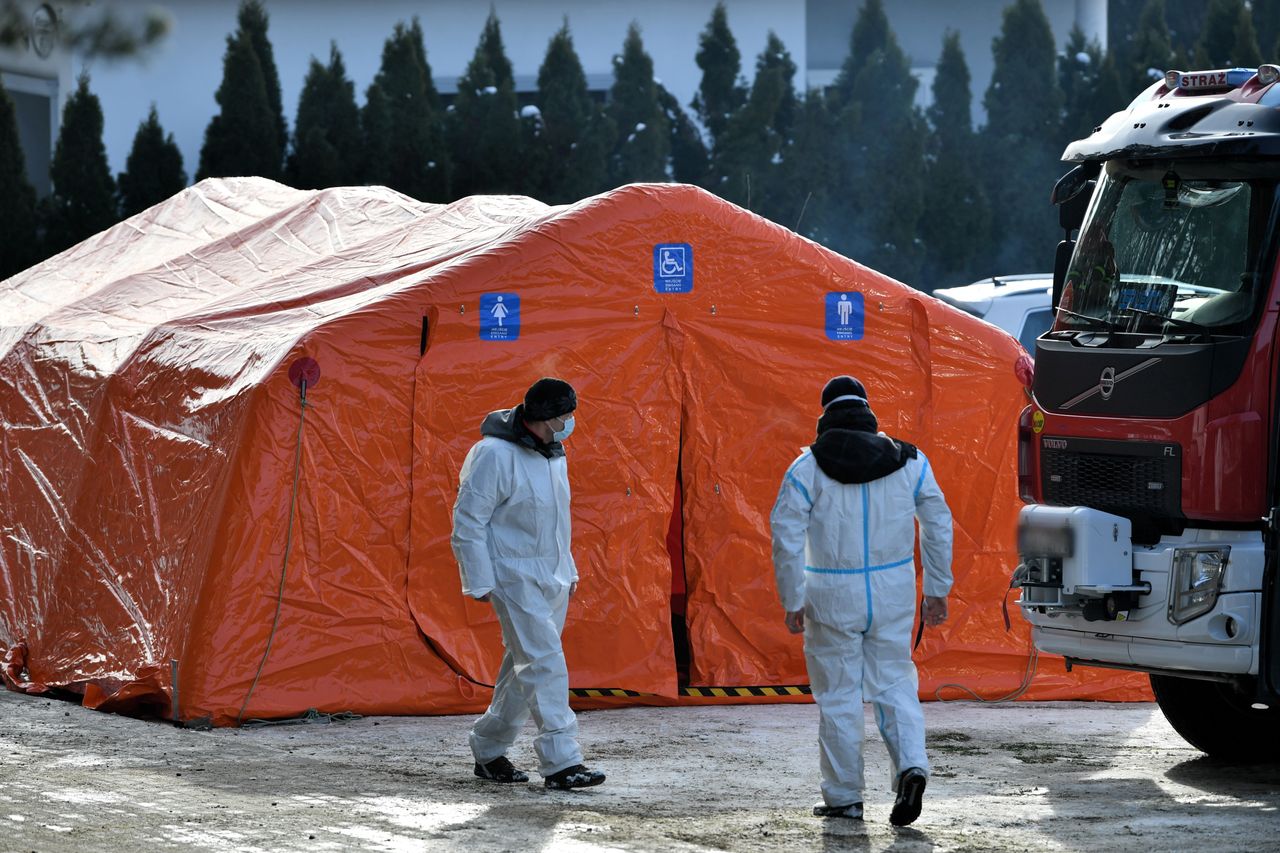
511,539
843,548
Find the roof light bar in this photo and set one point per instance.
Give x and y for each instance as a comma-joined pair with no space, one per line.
1204,81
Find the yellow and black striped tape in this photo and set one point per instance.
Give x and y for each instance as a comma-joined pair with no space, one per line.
790,690
703,692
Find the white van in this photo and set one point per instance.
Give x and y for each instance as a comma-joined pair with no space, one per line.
1019,304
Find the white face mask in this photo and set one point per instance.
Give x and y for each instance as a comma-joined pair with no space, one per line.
565,431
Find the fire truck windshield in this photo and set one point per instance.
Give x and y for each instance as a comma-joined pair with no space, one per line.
1164,252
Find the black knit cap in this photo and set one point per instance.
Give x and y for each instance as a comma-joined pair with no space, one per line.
842,386
549,398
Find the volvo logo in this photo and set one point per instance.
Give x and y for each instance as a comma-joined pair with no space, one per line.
1107,382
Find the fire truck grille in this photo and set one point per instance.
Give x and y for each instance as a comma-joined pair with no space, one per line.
1128,484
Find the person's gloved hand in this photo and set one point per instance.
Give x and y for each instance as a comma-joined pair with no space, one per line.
934,610
795,621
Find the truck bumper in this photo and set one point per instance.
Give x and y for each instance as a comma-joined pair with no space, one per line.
1223,640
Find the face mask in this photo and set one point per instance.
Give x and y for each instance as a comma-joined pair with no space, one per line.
566,431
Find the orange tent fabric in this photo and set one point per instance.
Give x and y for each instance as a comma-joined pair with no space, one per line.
182,537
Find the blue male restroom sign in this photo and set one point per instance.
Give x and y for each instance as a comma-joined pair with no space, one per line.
844,316
499,317
673,268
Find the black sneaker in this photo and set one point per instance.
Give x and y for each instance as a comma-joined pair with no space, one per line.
576,776
906,808
500,770
853,811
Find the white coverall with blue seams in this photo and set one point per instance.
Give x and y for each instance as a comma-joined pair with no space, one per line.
843,553
511,537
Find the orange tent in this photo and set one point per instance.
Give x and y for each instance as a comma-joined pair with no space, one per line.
182,536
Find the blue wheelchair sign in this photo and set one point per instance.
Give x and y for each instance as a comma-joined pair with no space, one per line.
673,268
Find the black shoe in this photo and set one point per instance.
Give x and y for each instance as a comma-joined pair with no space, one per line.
910,797
853,811
576,776
500,770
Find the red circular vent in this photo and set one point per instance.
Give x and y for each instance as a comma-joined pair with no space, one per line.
305,369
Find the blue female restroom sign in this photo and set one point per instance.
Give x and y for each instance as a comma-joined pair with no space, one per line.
673,268
844,316
499,317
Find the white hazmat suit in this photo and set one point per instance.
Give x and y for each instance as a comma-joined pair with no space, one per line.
511,539
843,553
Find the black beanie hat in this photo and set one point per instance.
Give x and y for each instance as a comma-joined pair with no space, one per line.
549,398
843,386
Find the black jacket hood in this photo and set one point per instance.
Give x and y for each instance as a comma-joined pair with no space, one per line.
849,450
508,425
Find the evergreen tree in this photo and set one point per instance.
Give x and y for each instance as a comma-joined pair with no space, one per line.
1152,52
1217,40
1181,21
1018,101
690,160
83,201
1266,21
576,137
1083,73
153,171
643,144
1021,139
17,198
375,131
955,226
253,21
535,159
327,140
241,138
1110,92
749,153
484,130
878,200
870,34
888,185
721,92
417,159
1244,49
801,198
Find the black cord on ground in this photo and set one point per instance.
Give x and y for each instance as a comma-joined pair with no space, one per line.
311,716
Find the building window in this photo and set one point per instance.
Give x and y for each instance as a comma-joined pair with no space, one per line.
35,99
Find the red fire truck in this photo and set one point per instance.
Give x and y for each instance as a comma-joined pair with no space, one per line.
1149,456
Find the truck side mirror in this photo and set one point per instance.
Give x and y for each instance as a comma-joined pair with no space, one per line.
1071,213
1061,261
1071,194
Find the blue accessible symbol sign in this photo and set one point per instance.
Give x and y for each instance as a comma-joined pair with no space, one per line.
499,317
673,268
844,316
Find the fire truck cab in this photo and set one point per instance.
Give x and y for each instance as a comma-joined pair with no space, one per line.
1149,455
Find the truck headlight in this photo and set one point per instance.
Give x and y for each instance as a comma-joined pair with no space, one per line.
1197,577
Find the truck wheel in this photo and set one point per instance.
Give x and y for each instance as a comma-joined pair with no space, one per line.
1218,719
